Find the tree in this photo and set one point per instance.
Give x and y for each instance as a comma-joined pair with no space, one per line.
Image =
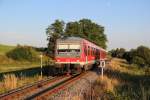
87,29
23,53
73,29
119,52
139,56
138,60
54,31
83,28
144,53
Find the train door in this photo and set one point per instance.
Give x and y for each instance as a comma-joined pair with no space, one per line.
86,54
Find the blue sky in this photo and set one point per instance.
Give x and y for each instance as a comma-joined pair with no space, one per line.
126,22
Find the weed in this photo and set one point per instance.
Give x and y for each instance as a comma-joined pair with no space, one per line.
10,81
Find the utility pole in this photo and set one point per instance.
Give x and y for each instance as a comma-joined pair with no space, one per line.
41,56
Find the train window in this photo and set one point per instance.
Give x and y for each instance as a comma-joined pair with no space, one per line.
88,50
85,51
74,46
92,51
62,46
68,49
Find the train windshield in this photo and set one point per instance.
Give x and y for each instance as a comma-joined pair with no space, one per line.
68,49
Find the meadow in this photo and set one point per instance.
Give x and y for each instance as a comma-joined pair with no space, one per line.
7,64
5,48
123,81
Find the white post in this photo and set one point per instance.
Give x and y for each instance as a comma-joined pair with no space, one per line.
41,64
102,71
102,65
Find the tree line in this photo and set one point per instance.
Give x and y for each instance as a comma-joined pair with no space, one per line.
139,56
84,28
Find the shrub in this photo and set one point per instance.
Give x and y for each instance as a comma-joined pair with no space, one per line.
139,56
139,61
23,53
119,52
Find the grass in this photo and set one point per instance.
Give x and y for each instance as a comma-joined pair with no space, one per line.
5,48
18,66
8,64
10,81
123,81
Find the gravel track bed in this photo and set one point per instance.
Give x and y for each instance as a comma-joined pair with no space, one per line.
78,89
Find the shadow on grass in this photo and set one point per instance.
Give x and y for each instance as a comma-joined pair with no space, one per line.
27,72
133,87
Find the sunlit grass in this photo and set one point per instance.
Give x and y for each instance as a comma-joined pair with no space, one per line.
10,81
18,66
5,48
8,64
123,81
122,65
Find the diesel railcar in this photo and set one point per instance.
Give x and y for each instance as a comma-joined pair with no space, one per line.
75,54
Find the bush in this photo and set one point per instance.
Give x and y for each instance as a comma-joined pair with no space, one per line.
139,61
139,56
23,53
119,52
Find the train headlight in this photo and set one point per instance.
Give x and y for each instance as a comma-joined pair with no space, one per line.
58,60
77,60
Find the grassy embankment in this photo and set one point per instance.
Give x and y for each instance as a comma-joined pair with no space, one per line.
123,81
10,81
8,64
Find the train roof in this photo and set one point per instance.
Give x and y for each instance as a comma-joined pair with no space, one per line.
70,38
79,39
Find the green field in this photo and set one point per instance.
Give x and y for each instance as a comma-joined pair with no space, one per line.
8,64
5,48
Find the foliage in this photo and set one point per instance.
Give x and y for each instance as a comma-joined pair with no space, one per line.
23,53
118,52
138,60
87,29
139,56
54,31
84,28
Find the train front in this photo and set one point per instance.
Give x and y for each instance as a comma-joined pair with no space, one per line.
67,54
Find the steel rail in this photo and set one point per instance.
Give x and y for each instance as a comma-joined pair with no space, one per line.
22,91
62,86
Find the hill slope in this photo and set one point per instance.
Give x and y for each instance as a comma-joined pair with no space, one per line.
8,64
5,48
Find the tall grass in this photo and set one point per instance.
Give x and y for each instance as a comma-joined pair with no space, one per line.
10,81
123,82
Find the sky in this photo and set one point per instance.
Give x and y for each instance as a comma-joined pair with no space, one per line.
126,22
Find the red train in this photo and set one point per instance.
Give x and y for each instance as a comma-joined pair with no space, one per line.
77,54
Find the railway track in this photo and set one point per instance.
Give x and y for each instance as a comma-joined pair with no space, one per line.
31,89
44,95
41,89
